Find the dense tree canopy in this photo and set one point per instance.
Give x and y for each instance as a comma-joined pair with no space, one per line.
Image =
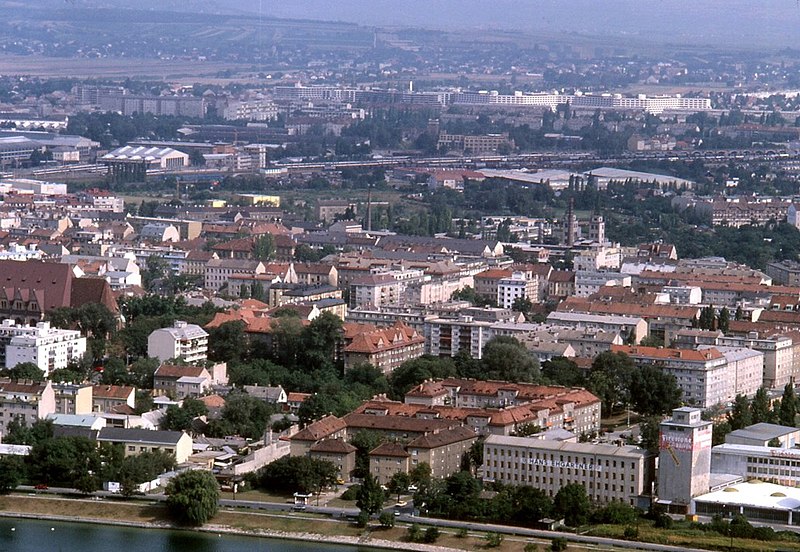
192,497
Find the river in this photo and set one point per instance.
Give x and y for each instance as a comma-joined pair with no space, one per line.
23,535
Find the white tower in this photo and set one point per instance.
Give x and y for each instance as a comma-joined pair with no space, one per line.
684,460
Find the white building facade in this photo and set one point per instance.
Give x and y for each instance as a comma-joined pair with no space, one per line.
49,348
183,340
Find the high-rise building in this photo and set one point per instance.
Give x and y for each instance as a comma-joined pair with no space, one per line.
684,461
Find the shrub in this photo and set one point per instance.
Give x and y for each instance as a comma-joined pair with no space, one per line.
558,544
363,519
414,533
351,493
431,535
462,533
631,532
386,519
663,521
493,540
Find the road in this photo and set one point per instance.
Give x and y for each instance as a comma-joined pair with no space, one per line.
406,516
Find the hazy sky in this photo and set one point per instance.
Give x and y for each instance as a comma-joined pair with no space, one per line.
775,23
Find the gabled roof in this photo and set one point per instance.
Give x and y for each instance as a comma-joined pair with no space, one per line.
334,446
395,423
443,438
112,392
394,450
320,429
384,339
177,371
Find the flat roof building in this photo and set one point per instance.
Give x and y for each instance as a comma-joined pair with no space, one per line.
608,472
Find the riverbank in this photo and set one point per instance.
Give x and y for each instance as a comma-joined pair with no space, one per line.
227,521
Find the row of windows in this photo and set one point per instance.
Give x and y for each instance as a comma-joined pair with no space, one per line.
561,457
612,487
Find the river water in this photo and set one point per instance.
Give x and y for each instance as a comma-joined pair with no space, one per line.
22,535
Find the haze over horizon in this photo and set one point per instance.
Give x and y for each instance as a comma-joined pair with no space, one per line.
770,23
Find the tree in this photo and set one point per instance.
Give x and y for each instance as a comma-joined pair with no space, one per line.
530,505
609,379
493,540
12,472
63,460
653,391
242,415
617,513
19,433
506,359
724,320
296,473
467,293
25,371
193,497
399,483
740,415
87,484
156,271
414,372
364,441
523,305
315,407
264,247
370,496
226,343
573,504
651,341
787,415
563,371
760,407
179,418
321,340
649,433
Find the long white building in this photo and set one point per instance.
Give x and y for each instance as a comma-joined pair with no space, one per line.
49,348
608,472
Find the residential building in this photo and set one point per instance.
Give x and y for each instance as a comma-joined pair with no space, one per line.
26,401
48,348
376,291
785,273
181,381
219,271
704,377
449,336
516,287
137,441
73,398
632,329
747,366
31,289
338,452
442,450
185,341
113,398
384,348
590,282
